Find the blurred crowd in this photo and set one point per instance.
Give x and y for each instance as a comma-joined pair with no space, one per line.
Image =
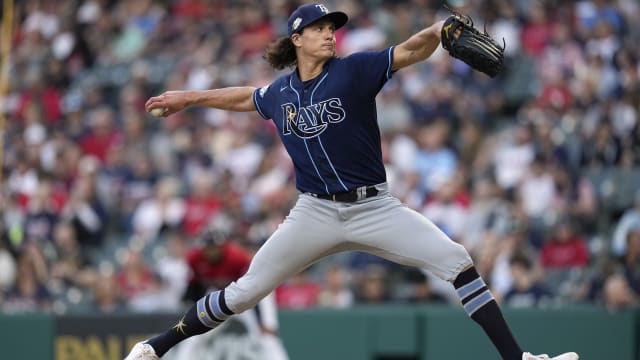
535,172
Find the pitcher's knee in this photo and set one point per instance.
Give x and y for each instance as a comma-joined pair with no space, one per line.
240,297
462,254
457,260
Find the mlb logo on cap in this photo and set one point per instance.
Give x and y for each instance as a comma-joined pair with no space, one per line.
309,13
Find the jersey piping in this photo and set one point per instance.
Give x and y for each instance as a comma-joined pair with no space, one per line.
255,102
390,54
320,137
306,145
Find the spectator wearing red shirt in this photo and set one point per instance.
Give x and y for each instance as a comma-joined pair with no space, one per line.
555,93
192,8
43,98
201,205
565,248
215,264
136,276
299,292
255,30
102,135
536,32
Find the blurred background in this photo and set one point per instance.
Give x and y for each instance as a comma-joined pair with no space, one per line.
535,172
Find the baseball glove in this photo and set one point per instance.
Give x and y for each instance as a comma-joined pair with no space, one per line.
477,49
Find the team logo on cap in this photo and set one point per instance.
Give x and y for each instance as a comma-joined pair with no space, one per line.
322,8
296,23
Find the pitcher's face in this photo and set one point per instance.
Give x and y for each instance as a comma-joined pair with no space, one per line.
317,40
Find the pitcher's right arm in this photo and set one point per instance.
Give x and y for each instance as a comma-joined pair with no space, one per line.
230,98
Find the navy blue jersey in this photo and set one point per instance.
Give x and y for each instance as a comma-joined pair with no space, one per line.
328,124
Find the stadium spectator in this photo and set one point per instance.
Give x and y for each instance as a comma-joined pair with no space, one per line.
70,264
447,210
629,220
84,208
173,269
527,291
8,268
420,289
336,291
487,217
135,277
497,252
604,149
436,162
139,182
298,292
536,193
618,295
630,261
565,259
164,211
40,99
371,287
512,156
156,297
565,248
201,204
576,197
215,262
536,31
106,297
102,134
41,215
29,293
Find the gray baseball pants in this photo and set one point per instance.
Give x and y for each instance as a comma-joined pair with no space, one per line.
316,228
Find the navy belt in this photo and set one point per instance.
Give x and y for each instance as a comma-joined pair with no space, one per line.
363,192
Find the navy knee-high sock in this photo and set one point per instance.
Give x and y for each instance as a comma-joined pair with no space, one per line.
206,314
483,309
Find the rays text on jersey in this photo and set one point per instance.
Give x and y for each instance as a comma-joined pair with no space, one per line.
312,120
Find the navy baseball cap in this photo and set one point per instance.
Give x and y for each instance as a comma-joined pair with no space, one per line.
309,13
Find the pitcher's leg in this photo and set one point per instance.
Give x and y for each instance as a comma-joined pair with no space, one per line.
308,233
395,232
286,253
400,234
480,305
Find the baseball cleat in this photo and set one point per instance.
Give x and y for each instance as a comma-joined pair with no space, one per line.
142,351
565,356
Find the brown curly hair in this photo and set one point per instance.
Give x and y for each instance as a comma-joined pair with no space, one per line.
280,53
